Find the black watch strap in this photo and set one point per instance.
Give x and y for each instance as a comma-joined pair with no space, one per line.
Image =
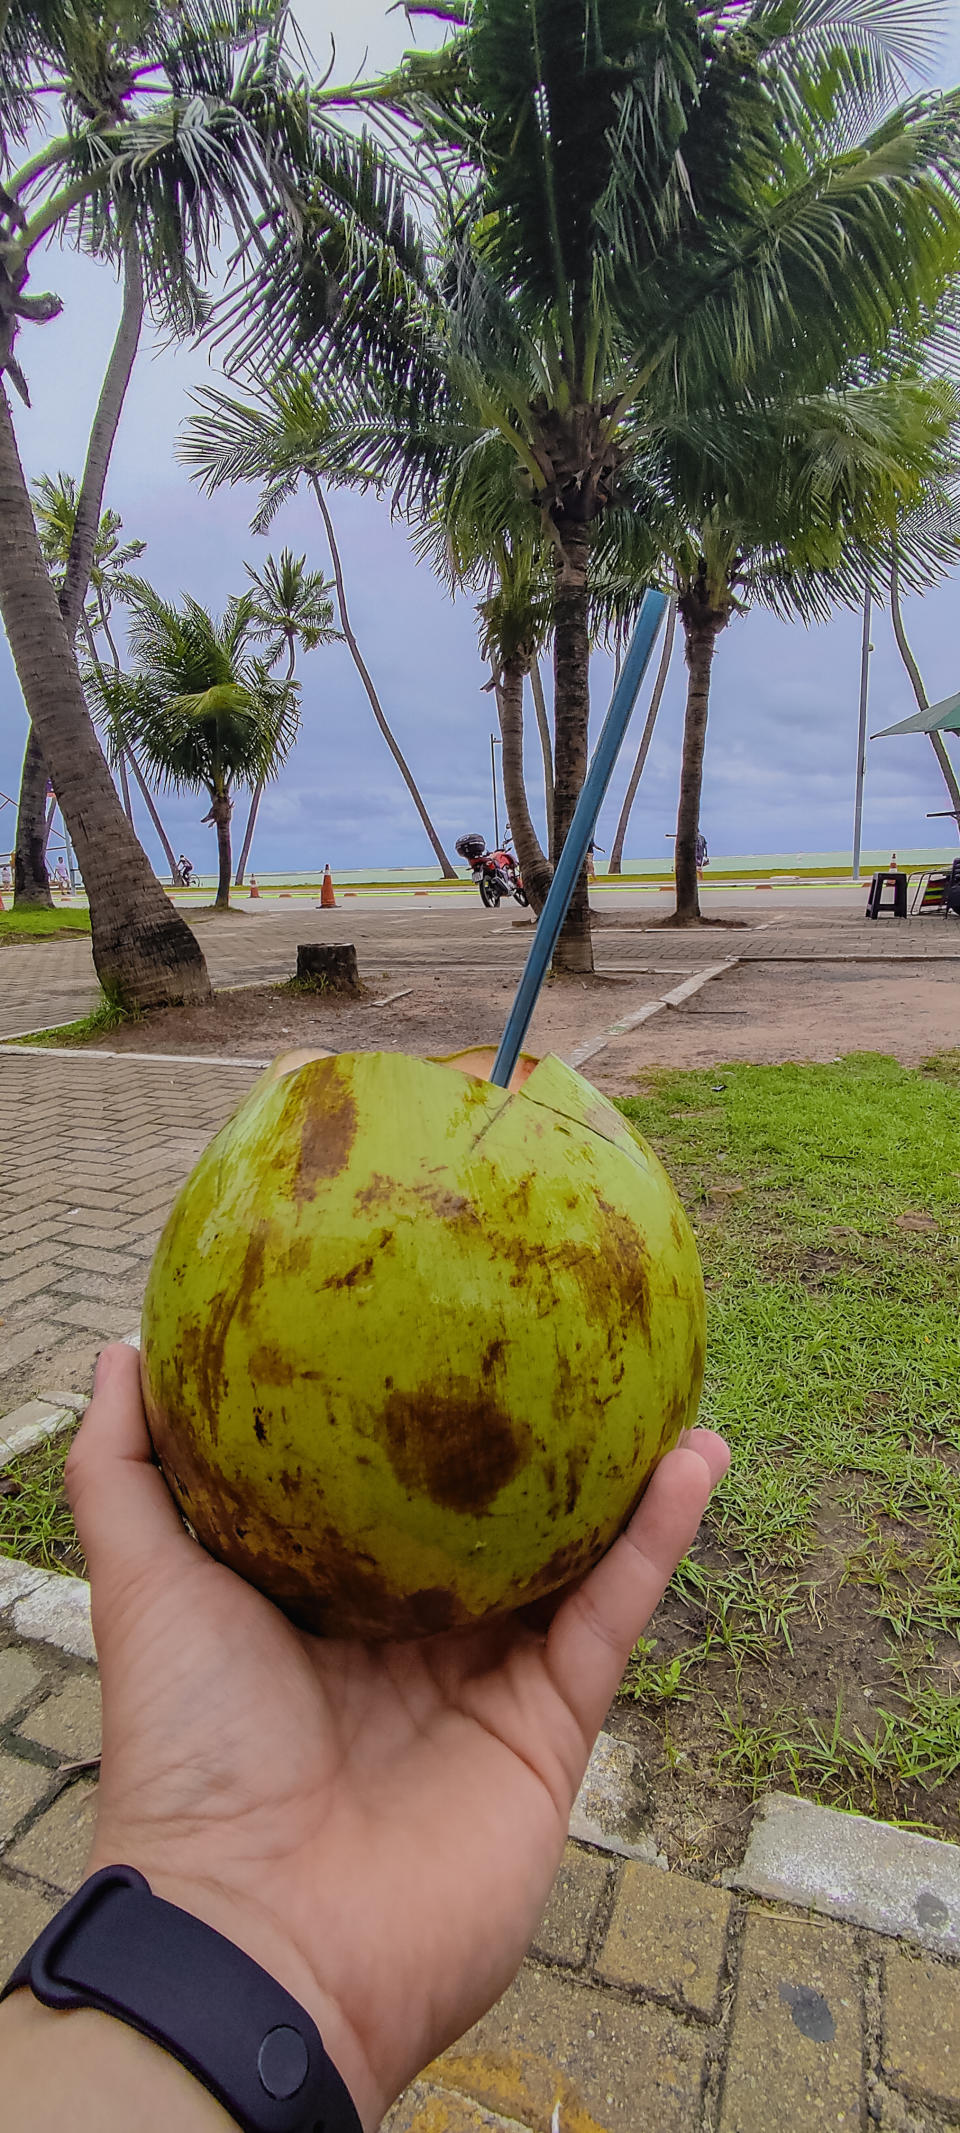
117,1947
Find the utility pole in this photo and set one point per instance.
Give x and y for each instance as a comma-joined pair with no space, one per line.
865,651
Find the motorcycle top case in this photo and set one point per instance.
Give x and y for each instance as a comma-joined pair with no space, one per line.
471,848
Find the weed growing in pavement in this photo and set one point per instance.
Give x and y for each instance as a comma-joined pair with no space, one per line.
35,1519
112,1009
830,1557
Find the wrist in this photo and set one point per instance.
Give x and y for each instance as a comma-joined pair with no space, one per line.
92,2074
251,1926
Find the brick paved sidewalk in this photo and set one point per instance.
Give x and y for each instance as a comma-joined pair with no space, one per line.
92,1152
651,2003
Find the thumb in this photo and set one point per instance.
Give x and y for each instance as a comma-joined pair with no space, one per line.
124,1513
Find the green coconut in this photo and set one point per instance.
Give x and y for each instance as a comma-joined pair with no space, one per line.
413,1345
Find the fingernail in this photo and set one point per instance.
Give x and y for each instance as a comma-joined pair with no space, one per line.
104,1365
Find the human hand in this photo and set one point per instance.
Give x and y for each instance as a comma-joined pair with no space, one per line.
377,1825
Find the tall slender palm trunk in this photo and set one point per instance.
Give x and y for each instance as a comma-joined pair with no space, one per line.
449,872
534,866
616,849
571,718
32,886
701,639
546,750
141,945
127,759
222,811
937,741
259,788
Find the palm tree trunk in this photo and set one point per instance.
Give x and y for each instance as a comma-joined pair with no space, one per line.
937,741
616,853
258,791
449,872
125,788
73,592
546,750
127,757
700,647
222,811
571,717
248,832
169,853
31,884
535,868
141,945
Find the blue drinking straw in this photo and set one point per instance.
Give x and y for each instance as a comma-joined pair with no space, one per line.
652,609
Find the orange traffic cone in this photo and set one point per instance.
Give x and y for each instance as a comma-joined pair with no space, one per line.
254,891
328,901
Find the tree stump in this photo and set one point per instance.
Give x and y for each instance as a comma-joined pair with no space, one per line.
327,968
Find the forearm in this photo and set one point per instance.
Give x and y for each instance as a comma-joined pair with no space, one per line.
85,2072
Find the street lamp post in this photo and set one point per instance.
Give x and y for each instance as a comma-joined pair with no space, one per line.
865,650
494,743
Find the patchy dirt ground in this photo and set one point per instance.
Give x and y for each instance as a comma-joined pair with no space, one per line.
765,1011
434,1015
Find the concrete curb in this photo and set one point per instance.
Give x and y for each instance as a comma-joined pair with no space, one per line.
849,1867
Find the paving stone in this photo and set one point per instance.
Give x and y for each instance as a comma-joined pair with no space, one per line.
57,1846
795,2057
69,1721
853,1868
23,1285
610,1809
29,1425
28,1340
552,2042
668,1935
22,1785
423,2108
921,2028
23,1914
563,1934
57,1611
16,1579
19,1676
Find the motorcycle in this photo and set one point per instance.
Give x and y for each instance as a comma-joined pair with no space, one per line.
495,873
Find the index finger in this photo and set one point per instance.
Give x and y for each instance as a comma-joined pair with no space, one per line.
594,1632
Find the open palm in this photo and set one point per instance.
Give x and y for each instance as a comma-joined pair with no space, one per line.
378,1825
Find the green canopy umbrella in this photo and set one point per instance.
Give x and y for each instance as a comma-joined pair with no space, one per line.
943,717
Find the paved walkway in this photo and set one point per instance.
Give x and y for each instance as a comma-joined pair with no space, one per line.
43,986
651,2003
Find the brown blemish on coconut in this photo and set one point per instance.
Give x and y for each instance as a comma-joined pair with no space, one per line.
251,1272
360,1272
676,1231
269,1365
328,1124
454,1446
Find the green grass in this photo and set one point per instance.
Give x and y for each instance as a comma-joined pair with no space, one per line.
830,1559
35,1520
27,925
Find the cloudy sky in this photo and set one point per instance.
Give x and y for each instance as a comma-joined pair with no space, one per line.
782,742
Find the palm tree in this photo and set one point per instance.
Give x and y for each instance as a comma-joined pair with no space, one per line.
615,863
199,708
797,506
646,212
55,504
186,117
292,609
278,443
